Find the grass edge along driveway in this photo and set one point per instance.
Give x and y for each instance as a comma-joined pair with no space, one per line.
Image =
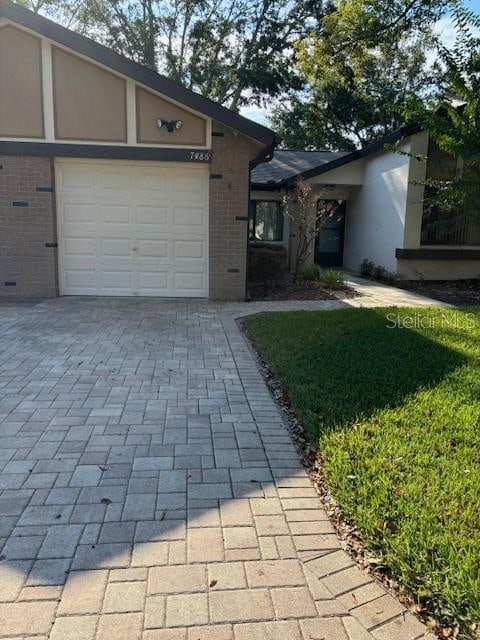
392,398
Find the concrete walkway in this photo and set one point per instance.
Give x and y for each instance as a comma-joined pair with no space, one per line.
149,487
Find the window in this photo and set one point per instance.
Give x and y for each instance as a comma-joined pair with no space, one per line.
445,227
266,221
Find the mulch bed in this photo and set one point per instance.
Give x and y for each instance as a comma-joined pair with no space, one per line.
288,289
457,292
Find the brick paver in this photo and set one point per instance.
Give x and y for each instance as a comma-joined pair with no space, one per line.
149,488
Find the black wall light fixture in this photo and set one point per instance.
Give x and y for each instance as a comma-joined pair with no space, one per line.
170,125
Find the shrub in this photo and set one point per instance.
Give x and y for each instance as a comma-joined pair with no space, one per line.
379,272
367,267
311,272
389,276
267,263
332,279
371,270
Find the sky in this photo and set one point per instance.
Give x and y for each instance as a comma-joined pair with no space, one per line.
445,27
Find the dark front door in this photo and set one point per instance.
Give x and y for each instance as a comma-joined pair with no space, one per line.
329,240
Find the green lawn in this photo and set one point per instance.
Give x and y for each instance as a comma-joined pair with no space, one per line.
396,414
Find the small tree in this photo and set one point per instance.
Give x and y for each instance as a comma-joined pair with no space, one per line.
302,208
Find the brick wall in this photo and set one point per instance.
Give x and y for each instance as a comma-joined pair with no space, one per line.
228,199
27,222
24,230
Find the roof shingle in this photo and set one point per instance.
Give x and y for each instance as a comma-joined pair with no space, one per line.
288,163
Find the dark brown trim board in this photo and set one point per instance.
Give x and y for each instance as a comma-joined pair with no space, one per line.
437,254
113,152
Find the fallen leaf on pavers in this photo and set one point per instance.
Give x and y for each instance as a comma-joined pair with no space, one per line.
213,583
102,467
106,501
162,515
58,516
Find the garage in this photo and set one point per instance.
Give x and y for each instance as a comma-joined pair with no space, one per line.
116,180
131,228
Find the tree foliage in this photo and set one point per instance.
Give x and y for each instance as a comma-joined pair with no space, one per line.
359,67
232,51
353,101
455,125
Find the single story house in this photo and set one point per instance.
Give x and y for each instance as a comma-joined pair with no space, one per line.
379,194
115,180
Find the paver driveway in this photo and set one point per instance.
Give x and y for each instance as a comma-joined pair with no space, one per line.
149,488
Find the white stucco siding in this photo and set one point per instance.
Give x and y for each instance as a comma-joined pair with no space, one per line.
375,220
349,174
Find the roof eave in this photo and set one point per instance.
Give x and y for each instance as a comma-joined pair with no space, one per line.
373,147
171,89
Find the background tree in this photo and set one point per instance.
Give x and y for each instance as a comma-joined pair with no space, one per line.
359,67
232,51
355,100
455,126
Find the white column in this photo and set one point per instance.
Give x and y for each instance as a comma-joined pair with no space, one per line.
131,113
47,91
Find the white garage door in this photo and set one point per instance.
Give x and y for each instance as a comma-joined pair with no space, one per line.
128,228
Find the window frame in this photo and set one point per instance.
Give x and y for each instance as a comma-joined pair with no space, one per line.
451,235
252,220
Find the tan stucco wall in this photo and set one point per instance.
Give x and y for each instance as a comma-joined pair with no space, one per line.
89,102
150,107
21,84
438,269
419,145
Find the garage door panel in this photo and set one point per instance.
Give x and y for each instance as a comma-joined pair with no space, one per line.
132,228
78,246
188,216
117,247
185,182
75,179
153,283
152,215
188,249
78,278
189,282
113,214
111,182
153,248
80,212
116,279
150,182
